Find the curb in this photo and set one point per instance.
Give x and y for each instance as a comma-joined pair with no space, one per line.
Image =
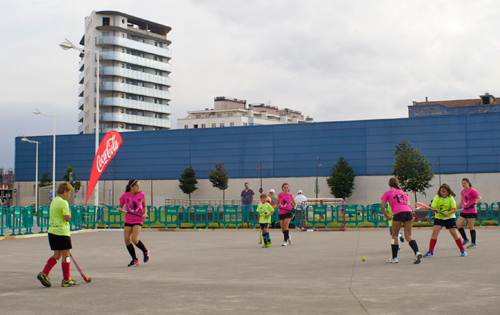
43,234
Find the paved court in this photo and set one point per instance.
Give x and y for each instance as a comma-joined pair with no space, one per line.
226,272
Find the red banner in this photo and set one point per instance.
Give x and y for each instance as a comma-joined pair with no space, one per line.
110,144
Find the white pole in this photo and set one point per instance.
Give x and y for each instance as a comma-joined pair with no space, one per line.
96,198
54,162
36,178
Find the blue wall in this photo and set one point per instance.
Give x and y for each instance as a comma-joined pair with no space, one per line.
465,144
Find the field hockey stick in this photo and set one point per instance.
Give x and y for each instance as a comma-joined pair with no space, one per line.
419,204
260,242
80,270
115,208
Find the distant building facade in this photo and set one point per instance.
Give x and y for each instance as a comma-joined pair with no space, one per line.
7,178
232,112
134,74
484,104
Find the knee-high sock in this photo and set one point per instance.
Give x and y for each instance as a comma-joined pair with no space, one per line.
473,236
432,244
131,251
459,243
462,232
287,235
414,246
394,249
49,265
141,246
65,270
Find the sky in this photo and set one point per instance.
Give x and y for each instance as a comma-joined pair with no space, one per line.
332,60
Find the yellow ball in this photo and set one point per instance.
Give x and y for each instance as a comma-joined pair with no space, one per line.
363,258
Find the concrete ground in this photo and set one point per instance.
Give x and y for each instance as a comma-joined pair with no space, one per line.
222,272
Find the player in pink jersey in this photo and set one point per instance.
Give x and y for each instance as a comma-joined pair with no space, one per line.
402,213
135,202
286,205
469,197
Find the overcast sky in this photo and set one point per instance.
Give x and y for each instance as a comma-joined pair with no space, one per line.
332,60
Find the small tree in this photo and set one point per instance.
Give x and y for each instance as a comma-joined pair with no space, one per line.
219,179
411,168
341,180
70,177
45,180
188,181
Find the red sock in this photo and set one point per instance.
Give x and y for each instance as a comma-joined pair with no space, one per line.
65,270
432,244
50,263
459,243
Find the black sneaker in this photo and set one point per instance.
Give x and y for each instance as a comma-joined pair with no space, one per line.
146,256
134,263
44,279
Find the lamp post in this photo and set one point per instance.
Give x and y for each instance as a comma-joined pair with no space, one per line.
318,164
438,162
69,45
112,169
259,167
36,169
37,112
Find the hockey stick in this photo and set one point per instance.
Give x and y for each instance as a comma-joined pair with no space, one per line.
115,208
80,270
260,242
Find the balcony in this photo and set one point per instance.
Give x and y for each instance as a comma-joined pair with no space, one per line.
136,60
80,116
134,89
136,75
81,65
81,102
134,119
81,77
80,128
146,106
80,90
128,43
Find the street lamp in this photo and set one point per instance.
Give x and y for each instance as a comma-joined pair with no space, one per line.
36,169
438,162
37,112
112,169
318,164
259,167
69,45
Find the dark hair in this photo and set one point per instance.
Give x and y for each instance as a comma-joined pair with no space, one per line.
284,185
263,196
468,181
394,183
131,183
447,187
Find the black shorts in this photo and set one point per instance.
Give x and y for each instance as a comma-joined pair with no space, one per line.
59,242
468,215
448,224
133,224
263,225
288,215
403,216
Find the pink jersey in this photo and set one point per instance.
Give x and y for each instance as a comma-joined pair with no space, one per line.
285,202
469,198
397,199
133,204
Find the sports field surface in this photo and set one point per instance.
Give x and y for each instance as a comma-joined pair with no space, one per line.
227,272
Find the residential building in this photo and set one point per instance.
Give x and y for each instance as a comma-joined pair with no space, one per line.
484,104
232,112
134,73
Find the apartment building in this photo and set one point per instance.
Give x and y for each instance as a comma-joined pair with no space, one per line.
134,74
232,112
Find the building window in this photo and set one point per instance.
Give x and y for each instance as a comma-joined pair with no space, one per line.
186,126
214,125
219,115
221,124
195,126
123,21
203,126
245,124
230,114
198,116
232,124
105,21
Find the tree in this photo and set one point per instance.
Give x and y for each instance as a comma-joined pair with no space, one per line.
411,168
188,181
341,180
70,177
45,180
219,179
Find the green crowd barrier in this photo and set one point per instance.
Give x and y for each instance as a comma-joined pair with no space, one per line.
111,217
15,220
28,219
483,210
250,217
76,221
152,216
90,217
172,215
42,218
353,214
3,222
320,214
230,215
493,213
375,215
200,215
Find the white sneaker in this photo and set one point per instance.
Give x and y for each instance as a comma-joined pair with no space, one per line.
284,243
392,260
289,240
417,259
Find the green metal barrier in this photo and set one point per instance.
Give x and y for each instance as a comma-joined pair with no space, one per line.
15,220
375,215
76,221
3,223
90,217
230,215
200,215
483,210
42,218
153,215
172,215
28,219
493,211
111,216
320,214
353,214
250,217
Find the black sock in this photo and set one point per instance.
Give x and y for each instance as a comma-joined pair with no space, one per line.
462,232
473,236
414,246
284,235
287,236
131,251
394,251
141,247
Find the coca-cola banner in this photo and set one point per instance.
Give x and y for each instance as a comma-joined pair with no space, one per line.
111,142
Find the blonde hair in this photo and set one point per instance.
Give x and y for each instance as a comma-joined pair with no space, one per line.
63,187
263,196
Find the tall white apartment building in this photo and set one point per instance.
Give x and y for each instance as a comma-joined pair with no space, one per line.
134,74
232,112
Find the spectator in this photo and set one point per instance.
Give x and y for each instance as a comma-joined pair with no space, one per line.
247,201
301,205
